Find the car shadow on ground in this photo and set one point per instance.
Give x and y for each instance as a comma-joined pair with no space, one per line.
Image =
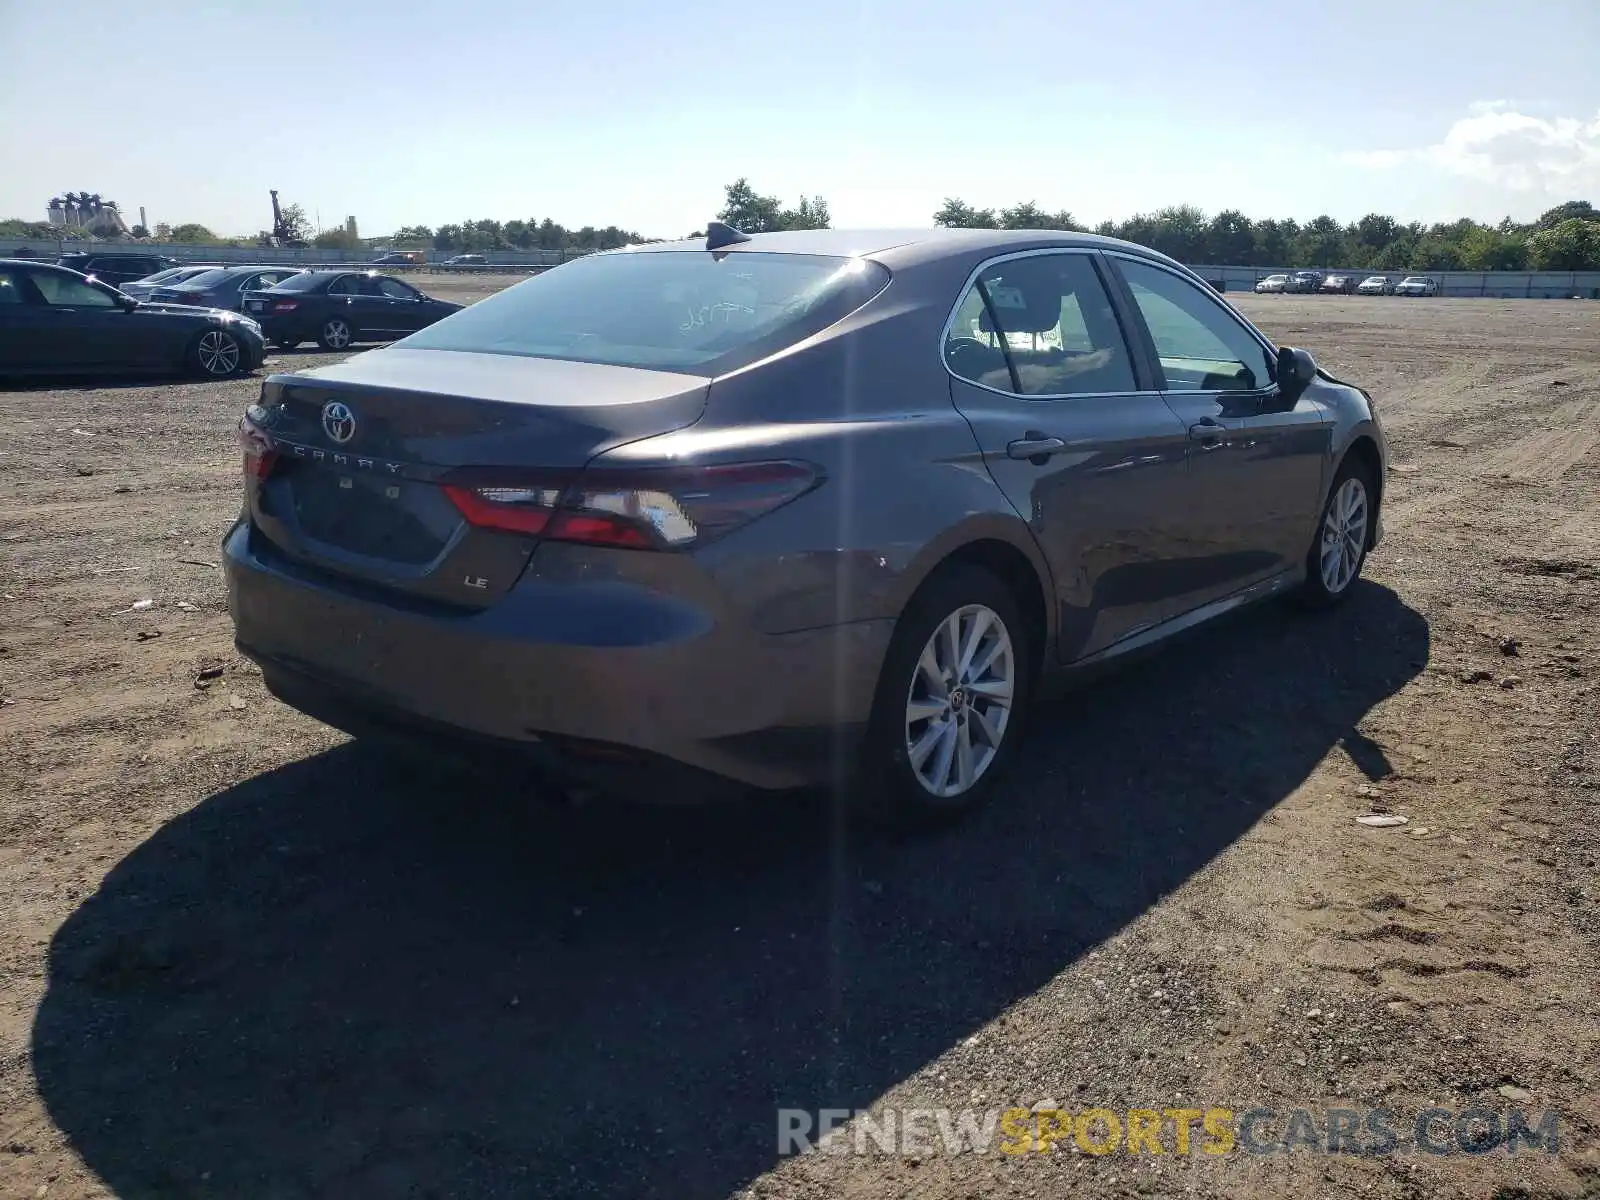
359,976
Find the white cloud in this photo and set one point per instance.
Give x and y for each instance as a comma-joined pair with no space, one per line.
1496,144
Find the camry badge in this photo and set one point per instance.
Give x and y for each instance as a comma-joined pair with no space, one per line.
338,422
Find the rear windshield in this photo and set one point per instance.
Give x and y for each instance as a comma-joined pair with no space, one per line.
690,311
205,279
302,282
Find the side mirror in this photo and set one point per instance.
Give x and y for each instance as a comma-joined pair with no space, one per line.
128,303
1296,370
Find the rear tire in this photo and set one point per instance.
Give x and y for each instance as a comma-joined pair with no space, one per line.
952,696
337,333
1343,534
216,354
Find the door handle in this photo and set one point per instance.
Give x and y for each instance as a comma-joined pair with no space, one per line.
1036,447
1207,432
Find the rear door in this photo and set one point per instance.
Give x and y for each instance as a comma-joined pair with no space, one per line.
348,297
1077,436
19,322
1257,463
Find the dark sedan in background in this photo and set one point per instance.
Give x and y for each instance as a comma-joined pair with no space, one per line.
140,289
337,308
785,506
58,322
222,287
116,269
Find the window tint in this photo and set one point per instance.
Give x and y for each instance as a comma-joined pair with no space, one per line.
394,289
664,310
303,281
206,279
67,290
345,285
1202,347
10,287
1056,328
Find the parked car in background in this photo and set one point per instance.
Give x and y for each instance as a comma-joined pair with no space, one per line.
117,269
623,519
1417,285
336,308
1339,284
401,258
1376,285
1305,281
222,287
1273,283
140,289
58,321
466,260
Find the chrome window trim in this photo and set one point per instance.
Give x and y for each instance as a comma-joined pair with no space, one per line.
1037,252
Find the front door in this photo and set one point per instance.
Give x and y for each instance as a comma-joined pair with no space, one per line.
1076,436
1257,463
406,305
83,326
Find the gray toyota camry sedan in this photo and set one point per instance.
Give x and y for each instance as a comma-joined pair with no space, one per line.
787,508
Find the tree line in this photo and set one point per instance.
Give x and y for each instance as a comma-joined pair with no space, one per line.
1565,238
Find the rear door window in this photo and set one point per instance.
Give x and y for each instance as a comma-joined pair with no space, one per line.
11,287
346,285
1041,325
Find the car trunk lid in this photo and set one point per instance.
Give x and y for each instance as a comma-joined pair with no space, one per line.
363,448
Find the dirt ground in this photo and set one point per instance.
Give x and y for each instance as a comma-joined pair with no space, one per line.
244,957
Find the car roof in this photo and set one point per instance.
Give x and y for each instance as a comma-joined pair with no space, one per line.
905,247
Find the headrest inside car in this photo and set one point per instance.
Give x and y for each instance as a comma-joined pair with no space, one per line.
1020,311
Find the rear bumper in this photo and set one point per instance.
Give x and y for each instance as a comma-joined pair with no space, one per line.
666,681
279,328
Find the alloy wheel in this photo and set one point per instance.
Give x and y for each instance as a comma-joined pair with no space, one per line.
1344,535
959,704
336,334
218,353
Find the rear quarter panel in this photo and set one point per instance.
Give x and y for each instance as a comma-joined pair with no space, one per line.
868,401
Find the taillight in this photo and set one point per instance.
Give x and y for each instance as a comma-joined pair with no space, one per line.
666,508
259,456
285,305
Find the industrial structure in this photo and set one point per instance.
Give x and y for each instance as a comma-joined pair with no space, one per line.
88,212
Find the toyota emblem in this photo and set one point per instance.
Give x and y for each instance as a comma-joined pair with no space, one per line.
338,422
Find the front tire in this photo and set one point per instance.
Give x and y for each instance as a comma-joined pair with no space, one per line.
950,704
1344,532
336,334
216,354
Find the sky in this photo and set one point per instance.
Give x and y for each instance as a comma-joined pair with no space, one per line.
637,112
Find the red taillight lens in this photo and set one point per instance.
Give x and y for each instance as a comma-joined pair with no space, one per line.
524,509
665,508
285,305
259,456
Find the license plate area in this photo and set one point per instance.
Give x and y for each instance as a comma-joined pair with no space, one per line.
369,515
